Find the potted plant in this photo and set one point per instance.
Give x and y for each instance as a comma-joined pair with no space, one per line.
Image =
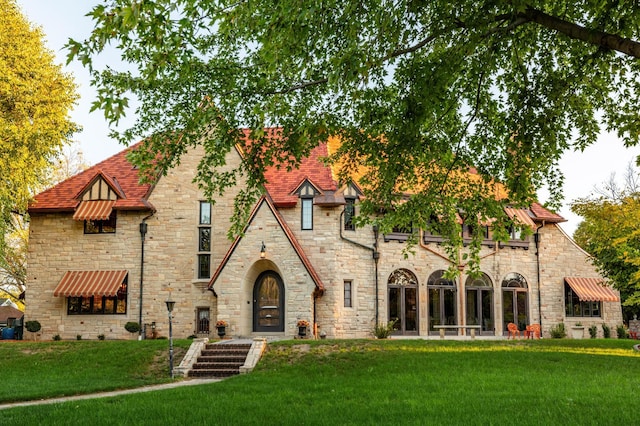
33,326
577,331
302,327
132,327
221,327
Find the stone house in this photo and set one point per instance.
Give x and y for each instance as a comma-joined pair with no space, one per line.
105,250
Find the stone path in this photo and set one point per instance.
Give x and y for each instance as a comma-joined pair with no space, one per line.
190,382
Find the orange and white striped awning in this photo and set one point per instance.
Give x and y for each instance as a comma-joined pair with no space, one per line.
90,283
94,210
591,289
520,215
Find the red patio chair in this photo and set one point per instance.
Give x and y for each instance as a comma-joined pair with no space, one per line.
532,331
513,331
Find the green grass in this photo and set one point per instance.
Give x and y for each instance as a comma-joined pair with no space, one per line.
544,382
36,370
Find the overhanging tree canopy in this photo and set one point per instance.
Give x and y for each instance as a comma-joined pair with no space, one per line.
419,92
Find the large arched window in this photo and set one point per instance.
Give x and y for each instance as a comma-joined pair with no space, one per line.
268,303
479,304
515,301
442,302
403,301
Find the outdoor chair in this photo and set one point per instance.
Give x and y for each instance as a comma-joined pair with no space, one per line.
532,331
513,330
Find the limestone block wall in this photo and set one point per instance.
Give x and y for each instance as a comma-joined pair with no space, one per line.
235,284
561,257
57,244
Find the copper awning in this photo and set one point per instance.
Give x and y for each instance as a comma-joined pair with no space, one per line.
90,283
521,216
94,210
591,289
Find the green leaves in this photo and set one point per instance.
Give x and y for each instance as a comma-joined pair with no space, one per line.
419,93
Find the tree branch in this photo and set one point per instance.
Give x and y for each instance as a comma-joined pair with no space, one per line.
578,32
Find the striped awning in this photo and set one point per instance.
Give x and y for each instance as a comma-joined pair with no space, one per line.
520,215
90,283
591,289
94,210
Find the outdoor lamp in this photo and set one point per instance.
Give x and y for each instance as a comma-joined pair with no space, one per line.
170,304
263,251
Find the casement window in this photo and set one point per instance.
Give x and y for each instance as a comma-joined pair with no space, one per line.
348,294
99,305
204,240
101,226
349,214
307,213
399,233
574,307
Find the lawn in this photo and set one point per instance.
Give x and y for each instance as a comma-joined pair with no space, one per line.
576,382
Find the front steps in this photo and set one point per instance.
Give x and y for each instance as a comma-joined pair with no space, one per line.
220,360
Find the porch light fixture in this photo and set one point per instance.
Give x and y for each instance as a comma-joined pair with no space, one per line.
170,305
263,251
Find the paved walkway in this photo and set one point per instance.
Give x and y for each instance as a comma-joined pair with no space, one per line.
188,382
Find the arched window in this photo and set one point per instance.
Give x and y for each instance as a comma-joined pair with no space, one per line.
403,301
515,301
442,302
479,303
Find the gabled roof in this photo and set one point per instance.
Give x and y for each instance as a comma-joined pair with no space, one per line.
7,312
265,199
116,170
542,214
282,184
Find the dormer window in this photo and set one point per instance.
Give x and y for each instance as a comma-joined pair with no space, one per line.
107,226
96,207
306,193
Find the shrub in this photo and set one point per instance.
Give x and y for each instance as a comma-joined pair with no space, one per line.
606,331
33,326
100,336
593,331
382,331
132,327
78,336
558,331
622,332
57,337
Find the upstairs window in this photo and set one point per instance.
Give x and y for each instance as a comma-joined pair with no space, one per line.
204,240
349,214
306,192
101,226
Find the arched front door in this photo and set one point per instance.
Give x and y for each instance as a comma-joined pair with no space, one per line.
268,303
515,301
403,301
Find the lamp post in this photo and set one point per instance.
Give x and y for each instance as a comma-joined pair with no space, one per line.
170,304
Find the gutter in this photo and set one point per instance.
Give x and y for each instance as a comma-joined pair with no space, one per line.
537,240
375,253
143,233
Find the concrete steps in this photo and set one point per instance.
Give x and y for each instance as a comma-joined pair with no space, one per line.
220,360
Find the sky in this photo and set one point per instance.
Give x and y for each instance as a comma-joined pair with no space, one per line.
64,19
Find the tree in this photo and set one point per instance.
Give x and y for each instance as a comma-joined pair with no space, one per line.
35,100
13,253
610,232
419,94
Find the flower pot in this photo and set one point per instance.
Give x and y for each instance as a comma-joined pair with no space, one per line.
222,331
577,332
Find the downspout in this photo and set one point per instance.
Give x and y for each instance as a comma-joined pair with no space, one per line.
537,240
143,233
374,250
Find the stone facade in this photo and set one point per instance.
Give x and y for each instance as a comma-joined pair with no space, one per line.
313,266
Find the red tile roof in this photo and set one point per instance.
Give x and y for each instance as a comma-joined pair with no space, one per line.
281,184
116,170
542,213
